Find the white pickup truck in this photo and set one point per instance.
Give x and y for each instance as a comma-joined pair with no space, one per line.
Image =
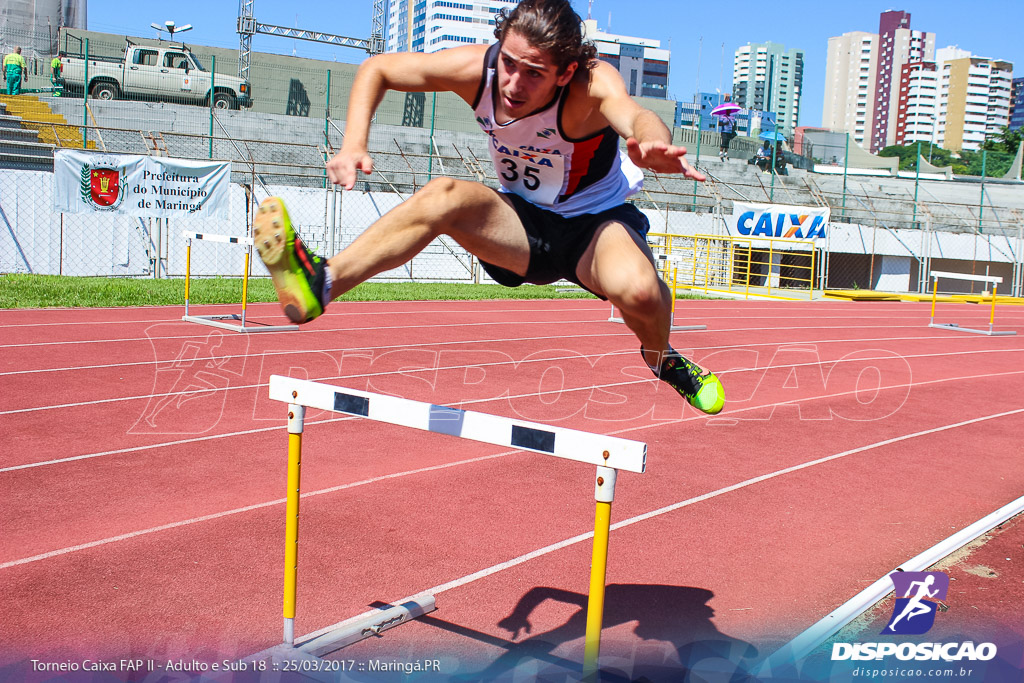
169,73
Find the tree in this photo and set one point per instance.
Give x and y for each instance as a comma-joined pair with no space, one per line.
906,153
1005,140
996,163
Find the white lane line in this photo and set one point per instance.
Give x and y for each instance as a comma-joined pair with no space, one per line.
746,315
307,332
698,499
542,551
71,368
177,318
601,321
142,397
508,398
247,508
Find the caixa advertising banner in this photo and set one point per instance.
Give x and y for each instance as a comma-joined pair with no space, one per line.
778,221
153,187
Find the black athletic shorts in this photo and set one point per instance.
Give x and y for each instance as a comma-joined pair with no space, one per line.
557,243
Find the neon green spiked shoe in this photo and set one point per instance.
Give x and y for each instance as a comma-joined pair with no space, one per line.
297,273
702,390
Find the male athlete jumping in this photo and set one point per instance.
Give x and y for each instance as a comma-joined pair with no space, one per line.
554,115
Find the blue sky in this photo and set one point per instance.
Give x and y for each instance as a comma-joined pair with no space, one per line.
696,32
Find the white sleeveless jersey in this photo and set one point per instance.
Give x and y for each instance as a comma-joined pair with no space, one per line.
535,159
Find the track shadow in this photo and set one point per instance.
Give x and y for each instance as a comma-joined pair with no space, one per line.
677,618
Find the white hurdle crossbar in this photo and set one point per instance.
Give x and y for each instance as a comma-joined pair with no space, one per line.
220,320
672,319
993,280
608,453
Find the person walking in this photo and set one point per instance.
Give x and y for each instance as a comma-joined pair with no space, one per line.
727,128
553,114
15,70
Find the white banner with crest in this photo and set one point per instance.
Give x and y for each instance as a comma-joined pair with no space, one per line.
155,187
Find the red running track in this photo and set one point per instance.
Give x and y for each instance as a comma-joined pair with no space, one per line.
144,481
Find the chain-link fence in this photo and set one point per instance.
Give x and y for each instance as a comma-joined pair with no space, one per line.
886,230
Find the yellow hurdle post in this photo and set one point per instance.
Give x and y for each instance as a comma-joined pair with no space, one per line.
604,493
245,283
188,270
675,275
296,416
935,289
707,267
992,315
813,274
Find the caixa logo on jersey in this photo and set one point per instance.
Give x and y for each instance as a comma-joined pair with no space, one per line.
917,597
779,221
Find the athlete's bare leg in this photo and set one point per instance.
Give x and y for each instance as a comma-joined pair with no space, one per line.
475,216
618,265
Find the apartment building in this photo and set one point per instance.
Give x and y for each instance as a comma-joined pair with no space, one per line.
974,98
851,68
897,45
432,25
917,109
768,77
866,75
642,62
1017,104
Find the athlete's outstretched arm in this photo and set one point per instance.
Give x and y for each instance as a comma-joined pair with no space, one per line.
648,140
456,70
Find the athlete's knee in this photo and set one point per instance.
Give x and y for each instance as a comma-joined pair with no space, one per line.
643,294
446,203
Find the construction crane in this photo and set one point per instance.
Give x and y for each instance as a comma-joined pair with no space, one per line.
248,27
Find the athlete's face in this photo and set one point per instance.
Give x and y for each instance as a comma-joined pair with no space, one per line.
527,77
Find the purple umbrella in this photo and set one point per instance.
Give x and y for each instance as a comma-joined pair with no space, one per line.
727,109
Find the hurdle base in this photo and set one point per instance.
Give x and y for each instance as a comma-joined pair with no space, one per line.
987,333
218,321
315,646
672,325
367,626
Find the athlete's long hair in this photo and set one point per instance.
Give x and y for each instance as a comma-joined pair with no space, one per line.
549,25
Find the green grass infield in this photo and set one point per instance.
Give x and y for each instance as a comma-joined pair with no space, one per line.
55,291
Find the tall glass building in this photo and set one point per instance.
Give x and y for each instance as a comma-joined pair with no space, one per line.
768,77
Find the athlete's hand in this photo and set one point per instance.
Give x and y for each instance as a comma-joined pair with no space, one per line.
661,158
344,167
515,623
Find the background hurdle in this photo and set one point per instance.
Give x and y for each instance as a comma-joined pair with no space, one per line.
994,281
220,320
664,260
608,453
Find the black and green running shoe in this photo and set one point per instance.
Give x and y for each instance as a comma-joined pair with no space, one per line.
297,273
702,390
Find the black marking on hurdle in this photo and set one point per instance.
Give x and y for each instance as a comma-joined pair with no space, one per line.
233,240
352,405
445,420
534,439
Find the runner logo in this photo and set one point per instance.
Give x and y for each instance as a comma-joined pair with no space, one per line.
918,595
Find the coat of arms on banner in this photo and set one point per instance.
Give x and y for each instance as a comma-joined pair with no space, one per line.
103,187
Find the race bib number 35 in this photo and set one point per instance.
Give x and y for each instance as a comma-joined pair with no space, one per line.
532,175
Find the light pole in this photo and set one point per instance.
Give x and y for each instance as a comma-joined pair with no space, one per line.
170,28
931,142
